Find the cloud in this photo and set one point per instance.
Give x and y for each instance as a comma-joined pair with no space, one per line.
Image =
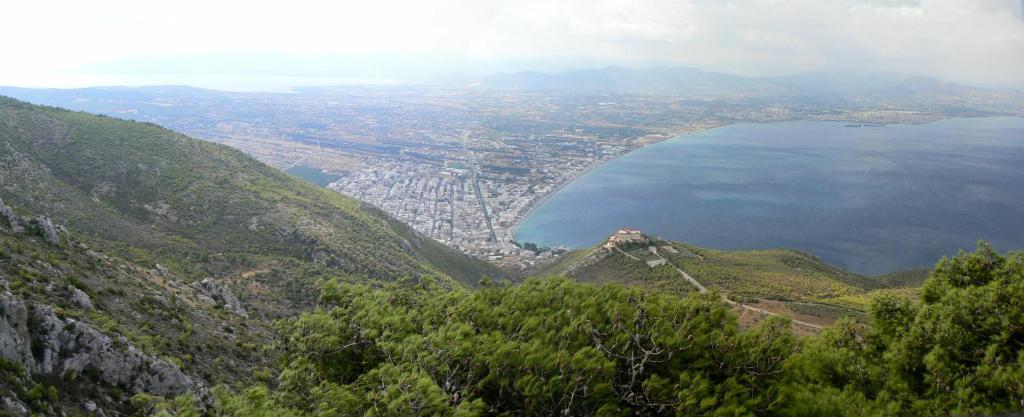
975,41
893,3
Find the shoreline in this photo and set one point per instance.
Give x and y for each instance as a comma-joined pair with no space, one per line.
544,198
847,258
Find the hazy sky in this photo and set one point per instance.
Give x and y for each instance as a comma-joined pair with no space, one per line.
241,44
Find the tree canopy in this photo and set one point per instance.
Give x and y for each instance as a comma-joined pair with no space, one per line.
557,347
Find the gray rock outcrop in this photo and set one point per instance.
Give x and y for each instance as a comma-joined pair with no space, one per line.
45,344
79,299
9,219
13,407
46,229
41,225
162,271
221,295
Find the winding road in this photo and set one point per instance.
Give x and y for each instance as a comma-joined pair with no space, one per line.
702,289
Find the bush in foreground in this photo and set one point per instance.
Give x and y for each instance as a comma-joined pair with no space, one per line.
555,347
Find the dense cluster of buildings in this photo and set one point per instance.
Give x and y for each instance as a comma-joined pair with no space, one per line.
465,205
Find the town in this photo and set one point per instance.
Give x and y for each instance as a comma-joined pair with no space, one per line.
461,165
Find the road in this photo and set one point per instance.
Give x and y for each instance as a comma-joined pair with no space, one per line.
483,205
702,289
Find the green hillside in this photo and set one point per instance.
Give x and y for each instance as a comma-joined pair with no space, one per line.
144,273
558,347
203,209
79,285
598,266
787,282
137,260
780,274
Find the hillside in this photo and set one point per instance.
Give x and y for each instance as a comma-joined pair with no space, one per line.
135,260
788,282
202,209
99,327
558,347
144,273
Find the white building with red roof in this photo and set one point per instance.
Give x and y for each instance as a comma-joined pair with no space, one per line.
624,235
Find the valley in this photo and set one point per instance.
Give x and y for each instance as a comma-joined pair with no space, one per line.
465,164
143,271
530,208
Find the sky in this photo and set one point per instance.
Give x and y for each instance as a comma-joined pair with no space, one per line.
257,45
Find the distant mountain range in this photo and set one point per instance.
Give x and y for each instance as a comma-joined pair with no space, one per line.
877,89
621,80
827,85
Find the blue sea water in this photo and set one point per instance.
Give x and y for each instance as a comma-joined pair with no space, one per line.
868,199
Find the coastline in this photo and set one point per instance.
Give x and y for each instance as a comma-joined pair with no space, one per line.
544,198
557,225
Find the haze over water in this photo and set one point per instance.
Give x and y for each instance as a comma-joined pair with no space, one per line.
869,199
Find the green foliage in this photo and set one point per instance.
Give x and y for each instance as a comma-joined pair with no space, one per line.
546,347
777,274
12,370
555,347
421,347
255,402
774,274
603,267
960,350
41,396
155,406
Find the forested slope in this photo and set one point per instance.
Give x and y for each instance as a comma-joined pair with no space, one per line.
556,347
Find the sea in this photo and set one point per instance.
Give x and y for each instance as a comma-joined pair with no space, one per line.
870,199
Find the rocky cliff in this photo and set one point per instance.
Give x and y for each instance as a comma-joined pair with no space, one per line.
34,338
72,319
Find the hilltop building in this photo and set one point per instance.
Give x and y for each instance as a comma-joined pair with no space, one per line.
623,236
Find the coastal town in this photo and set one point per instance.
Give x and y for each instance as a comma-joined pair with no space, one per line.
471,206
461,165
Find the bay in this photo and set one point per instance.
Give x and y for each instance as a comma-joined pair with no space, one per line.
868,199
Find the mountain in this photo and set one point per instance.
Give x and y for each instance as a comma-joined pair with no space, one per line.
84,328
123,102
143,272
134,259
878,87
621,80
895,88
148,187
784,281
204,210
558,347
